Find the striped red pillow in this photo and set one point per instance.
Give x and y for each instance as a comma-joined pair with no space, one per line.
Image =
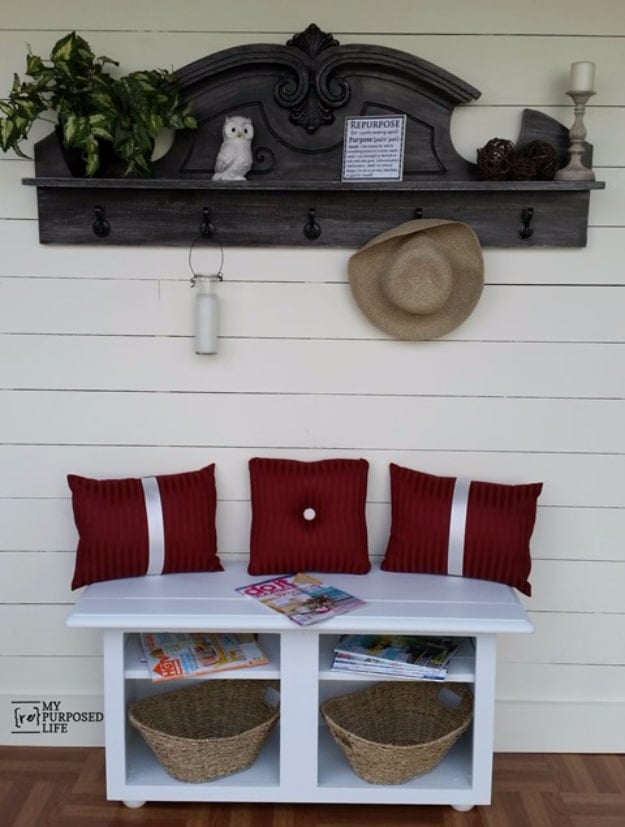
449,525
150,525
308,516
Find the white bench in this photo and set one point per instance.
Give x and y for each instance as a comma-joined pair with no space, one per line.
300,762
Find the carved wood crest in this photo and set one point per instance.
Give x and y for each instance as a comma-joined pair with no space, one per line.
294,95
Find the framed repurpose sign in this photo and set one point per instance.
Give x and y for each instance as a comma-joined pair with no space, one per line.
373,149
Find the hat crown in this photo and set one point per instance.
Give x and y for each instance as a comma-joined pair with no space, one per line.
419,279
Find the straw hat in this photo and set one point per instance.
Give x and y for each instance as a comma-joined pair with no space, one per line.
420,279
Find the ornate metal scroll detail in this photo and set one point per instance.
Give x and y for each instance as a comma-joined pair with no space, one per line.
264,160
309,90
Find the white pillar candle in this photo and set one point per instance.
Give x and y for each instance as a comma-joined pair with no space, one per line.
582,76
206,317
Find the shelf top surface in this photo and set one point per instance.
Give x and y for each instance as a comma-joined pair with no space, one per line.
399,602
441,184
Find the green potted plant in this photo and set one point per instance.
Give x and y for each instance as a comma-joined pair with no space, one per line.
94,110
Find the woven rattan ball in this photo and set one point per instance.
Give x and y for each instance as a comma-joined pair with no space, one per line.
544,158
522,168
494,158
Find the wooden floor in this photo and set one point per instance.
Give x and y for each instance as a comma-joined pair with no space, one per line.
64,787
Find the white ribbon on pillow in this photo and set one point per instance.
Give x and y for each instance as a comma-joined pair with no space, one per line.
156,528
457,526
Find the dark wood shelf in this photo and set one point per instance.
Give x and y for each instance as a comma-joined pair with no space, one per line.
208,185
297,96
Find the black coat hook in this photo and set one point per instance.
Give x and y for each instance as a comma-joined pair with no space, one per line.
312,230
527,216
101,226
207,228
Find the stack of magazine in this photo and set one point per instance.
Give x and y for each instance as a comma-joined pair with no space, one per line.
171,655
406,656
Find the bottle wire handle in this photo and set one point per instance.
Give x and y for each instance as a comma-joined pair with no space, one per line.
218,276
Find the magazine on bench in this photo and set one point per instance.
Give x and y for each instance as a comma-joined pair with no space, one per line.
303,598
170,655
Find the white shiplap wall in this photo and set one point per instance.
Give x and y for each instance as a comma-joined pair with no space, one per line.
98,375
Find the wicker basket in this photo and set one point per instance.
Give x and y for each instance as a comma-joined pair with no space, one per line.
213,729
391,732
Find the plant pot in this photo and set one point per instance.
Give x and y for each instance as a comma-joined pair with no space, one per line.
75,162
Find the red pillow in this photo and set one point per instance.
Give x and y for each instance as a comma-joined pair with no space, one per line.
449,525
308,516
153,525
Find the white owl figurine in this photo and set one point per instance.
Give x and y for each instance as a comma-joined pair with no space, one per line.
234,159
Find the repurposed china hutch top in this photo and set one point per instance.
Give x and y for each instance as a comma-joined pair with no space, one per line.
298,96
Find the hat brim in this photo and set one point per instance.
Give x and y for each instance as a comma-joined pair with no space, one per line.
464,254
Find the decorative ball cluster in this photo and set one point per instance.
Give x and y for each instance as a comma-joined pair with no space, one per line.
500,160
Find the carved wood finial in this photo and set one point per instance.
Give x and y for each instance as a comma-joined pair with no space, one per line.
312,40
305,89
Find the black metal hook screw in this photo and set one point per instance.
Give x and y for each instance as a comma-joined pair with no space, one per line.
312,230
207,228
101,226
527,216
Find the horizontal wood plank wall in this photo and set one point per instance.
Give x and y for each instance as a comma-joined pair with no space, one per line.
98,374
